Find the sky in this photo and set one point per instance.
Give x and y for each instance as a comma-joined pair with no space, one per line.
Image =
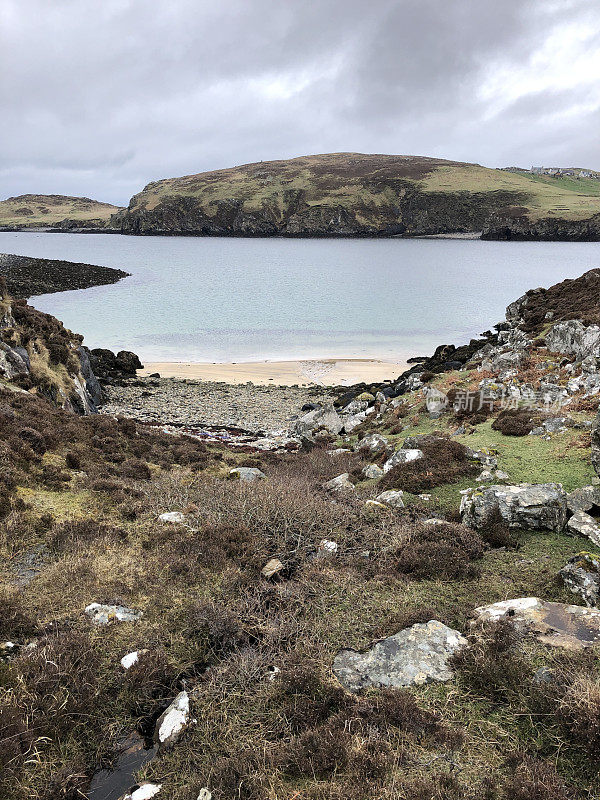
99,97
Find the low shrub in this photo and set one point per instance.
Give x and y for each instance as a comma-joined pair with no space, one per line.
445,461
439,551
514,422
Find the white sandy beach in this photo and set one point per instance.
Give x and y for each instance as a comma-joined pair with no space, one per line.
322,372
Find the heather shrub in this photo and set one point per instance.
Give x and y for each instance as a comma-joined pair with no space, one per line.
514,422
439,551
444,461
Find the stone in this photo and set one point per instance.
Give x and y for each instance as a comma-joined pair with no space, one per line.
324,417
102,614
12,363
132,658
585,525
352,422
327,548
143,792
366,397
581,576
391,498
173,517
485,475
372,471
584,499
339,451
373,444
204,794
374,506
272,568
412,657
525,505
502,476
247,474
173,721
556,424
339,484
557,624
402,456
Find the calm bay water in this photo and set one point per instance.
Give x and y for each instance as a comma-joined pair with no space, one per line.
220,299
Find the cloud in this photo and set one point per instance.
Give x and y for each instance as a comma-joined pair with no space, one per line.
98,99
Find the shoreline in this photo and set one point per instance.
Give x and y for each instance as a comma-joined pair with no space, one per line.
299,372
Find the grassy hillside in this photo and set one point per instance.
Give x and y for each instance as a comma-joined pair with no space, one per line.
35,210
354,193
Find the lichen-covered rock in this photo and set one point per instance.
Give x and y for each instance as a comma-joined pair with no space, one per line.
325,417
373,444
173,721
574,338
584,499
402,456
372,471
391,498
531,506
272,569
411,657
557,624
581,576
247,474
339,484
585,525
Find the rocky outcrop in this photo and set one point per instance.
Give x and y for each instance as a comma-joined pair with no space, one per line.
38,354
503,226
412,657
109,367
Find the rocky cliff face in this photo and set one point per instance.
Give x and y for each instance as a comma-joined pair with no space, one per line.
38,355
506,227
413,213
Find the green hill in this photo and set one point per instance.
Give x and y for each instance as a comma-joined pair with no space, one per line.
54,210
353,194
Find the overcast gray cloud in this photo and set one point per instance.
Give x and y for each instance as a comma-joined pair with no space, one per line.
98,97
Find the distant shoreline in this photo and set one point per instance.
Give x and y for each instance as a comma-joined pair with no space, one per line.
313,371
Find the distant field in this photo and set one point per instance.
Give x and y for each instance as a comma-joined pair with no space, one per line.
46,210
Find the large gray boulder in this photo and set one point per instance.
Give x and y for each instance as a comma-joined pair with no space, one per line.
411,657
325,417
541,506
581,576
373,444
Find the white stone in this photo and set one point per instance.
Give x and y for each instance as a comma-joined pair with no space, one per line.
327,547
585,525
174,720
403,456
132,658
102,614
173,517
144,792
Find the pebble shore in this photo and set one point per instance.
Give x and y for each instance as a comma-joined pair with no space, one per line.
198,404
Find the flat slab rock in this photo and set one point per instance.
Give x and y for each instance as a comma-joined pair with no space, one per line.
174,721
411,657
557,624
